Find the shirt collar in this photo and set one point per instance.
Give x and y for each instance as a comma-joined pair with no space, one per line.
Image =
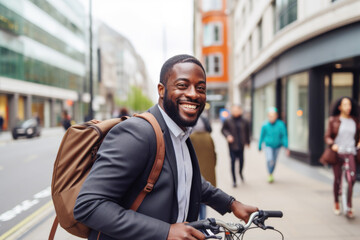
174,128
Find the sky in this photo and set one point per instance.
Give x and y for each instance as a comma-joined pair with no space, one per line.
158,29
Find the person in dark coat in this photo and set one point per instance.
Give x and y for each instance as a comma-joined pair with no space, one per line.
237,133
123,112
66,120
124,161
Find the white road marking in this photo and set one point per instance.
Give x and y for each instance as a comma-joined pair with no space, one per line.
25,205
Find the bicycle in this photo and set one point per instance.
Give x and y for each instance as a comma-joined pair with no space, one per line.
211,227
346,181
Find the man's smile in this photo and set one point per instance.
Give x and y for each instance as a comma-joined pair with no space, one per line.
189,107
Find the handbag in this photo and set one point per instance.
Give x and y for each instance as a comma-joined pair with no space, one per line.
329,157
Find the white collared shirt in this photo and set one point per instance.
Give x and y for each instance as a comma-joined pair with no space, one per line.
183,162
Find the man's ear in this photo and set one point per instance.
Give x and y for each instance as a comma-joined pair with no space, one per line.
161,90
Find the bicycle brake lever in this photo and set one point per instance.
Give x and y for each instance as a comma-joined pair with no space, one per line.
262,225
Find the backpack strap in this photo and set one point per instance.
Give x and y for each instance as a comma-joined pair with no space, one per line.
159,159
53,229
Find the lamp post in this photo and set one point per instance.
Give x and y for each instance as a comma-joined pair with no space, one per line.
91,112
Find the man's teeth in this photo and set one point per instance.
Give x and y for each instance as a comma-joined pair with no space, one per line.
189,106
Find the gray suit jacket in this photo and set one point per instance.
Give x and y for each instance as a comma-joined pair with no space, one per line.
119,173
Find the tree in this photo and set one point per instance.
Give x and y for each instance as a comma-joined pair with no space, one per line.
136,100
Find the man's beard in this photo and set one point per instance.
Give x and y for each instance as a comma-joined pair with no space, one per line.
173,111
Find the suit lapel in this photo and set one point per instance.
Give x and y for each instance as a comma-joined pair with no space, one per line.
169,148
195,193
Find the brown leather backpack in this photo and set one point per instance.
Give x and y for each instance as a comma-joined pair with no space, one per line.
76,155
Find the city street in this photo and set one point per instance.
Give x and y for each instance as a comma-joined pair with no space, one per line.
302,192
25,175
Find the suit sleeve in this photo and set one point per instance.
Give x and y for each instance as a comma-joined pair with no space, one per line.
121,159
215,198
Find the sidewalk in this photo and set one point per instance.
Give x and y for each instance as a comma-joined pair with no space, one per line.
302,192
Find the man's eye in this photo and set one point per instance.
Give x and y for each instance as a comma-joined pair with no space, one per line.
181,85
202,89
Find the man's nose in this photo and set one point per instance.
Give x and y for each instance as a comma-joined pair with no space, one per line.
191,92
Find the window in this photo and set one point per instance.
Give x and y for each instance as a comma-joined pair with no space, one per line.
286,12
212,34
341,85
213,65
250,48
298,112
259,27
211,5
264,98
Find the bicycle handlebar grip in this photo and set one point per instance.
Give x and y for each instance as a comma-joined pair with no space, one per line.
199,224
274,214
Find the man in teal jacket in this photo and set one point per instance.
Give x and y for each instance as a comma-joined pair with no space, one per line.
274,135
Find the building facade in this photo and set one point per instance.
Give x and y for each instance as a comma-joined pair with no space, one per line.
299,56
211,48
120,68
42,59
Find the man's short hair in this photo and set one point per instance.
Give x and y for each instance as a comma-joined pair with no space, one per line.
168,65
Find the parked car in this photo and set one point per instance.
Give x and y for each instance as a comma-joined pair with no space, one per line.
28,128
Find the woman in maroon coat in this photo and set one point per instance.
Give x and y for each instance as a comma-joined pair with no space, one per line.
342,136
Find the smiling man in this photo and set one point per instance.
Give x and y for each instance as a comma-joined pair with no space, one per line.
125,159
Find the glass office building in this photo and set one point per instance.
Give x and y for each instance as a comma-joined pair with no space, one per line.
43,49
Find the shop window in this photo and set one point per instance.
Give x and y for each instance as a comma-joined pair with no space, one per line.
264,98
298,112
341,85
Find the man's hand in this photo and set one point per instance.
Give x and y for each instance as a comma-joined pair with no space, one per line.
230,139
180,231
242,211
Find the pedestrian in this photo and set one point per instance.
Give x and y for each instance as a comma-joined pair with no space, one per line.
342,136
1,123
125,158
66,120
123,112
205,153
237,133
274,135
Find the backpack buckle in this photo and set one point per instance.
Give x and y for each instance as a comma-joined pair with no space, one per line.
149,187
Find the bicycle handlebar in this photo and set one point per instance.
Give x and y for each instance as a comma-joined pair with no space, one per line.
257,218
